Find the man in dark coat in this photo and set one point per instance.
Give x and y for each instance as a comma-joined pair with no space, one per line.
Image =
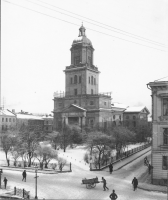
113,195
110,168
24,175
104,184
135,183
150,167
5,181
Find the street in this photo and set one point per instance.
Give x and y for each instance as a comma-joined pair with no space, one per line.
68,185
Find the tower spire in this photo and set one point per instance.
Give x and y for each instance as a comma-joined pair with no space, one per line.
82,31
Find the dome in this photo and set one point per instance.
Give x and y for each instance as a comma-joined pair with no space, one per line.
82,37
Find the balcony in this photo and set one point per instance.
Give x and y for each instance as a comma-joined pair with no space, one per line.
63,95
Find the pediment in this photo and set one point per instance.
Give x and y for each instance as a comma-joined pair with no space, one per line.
73,109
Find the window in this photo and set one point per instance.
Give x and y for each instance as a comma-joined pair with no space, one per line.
6,127
2,119
75,92
89,60
91,91
165,107
2,127
92,122
9,119
75,102
6,119
89,80
105,103
165,162
134,117
71,80
13,120
127,117
77,60
91,103
75,79
92,80
46,122
134,123
79,79
165,136
59,104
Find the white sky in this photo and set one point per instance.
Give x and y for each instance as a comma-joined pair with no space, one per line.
35,49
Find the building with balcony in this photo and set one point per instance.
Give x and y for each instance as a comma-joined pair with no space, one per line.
82,104
159,157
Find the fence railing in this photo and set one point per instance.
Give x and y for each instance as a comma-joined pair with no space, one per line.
119,156
22,193
58,167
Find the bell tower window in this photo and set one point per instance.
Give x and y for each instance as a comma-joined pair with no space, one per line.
89,60
92,80
77,60
75,79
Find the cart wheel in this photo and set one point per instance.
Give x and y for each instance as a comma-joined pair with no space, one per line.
93,185
89,186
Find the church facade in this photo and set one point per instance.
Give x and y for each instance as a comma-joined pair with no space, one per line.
81,103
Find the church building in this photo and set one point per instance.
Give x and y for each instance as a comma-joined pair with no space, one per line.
81,103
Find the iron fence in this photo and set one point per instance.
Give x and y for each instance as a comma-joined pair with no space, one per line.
119,156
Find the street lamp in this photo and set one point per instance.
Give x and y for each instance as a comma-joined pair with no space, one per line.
36,184
0,176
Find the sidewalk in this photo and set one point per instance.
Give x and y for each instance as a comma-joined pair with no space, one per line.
118,165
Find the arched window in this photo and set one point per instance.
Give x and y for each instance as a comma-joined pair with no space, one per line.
92,80
75,79
80,79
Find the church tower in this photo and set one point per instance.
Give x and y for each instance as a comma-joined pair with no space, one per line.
81,103
82,77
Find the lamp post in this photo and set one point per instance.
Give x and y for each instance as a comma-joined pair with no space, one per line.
0,176
36,183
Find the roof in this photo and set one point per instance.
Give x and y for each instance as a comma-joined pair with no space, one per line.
6,112
118,105
24,116
137,109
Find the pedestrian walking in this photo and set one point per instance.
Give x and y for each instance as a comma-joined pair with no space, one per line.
146,161
113,195
135,183
104,184
5,181
110,168
24,175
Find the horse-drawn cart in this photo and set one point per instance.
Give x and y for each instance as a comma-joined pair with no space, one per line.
90,183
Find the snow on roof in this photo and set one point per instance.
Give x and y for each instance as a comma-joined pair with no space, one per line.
136,109
118,105
78,107
24,116
6,112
